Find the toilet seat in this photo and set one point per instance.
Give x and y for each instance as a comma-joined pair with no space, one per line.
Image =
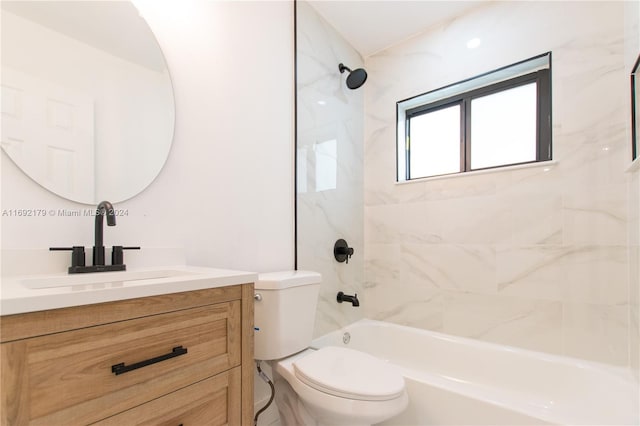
335,409
348,373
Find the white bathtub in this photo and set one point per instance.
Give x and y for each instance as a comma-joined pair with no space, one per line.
457,381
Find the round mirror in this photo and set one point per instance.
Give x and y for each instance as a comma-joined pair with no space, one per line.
87,101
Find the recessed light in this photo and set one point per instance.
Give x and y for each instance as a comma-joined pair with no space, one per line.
322,102
473,43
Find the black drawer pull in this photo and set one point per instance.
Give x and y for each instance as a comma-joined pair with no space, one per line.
121,368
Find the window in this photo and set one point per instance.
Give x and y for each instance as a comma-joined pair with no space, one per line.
497,119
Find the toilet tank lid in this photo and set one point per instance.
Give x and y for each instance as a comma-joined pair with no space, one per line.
286,279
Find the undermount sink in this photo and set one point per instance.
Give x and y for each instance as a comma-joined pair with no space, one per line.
102,278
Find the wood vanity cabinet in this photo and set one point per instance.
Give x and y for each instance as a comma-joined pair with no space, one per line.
174,359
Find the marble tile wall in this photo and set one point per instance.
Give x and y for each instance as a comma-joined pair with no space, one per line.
632,51
538,257
634,271
330,191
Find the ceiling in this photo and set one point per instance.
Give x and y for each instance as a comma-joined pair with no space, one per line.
373,25
368,25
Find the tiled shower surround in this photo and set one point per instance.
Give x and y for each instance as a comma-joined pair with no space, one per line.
634,270
538,258
632,53
330,189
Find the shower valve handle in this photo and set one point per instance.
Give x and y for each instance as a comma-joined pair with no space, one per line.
341,251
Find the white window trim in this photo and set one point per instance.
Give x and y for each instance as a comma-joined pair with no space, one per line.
543,164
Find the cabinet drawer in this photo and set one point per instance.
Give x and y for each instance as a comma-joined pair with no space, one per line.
67,378
212,402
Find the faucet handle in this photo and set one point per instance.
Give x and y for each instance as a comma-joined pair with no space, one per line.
117,255
341,251
77,254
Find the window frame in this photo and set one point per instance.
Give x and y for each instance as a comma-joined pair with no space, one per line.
542,78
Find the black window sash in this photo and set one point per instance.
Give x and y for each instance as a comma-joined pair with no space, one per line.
543,134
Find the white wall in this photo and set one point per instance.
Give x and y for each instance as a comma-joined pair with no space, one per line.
226,192
533,258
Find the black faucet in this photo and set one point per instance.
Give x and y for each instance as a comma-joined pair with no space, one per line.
104,209
346,298
78,265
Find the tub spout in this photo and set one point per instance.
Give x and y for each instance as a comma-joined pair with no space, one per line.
346,298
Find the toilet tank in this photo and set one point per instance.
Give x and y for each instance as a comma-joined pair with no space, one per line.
285,312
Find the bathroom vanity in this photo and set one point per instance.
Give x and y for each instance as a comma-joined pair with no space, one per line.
181,356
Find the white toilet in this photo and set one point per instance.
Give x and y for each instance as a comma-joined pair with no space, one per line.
328,386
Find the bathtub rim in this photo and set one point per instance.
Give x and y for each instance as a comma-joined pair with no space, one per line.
623,372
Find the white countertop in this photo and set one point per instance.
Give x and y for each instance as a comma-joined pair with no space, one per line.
16,298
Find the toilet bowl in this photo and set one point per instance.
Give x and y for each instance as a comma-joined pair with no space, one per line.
340,386
328,386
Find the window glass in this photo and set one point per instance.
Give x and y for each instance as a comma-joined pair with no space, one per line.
503,127
435,142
